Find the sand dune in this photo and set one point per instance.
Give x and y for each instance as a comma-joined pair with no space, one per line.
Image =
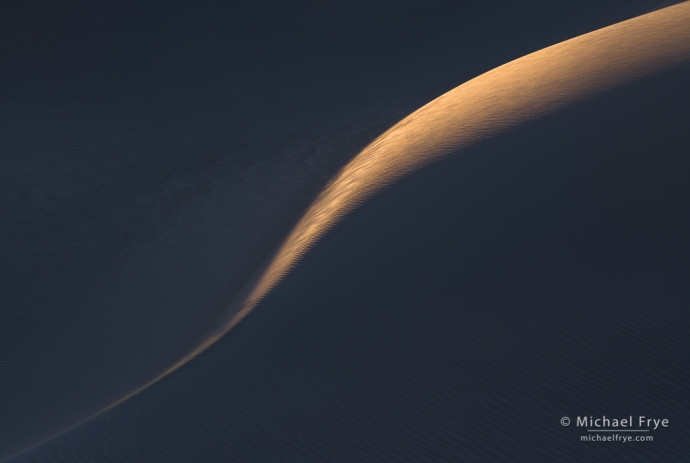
513,94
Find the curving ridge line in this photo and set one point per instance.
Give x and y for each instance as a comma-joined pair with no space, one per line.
497,101
517,92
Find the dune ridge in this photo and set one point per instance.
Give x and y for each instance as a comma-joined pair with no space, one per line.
517,92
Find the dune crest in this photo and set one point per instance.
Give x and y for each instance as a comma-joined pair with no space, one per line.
517,92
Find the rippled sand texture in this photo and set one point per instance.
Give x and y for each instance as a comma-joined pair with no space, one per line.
512,94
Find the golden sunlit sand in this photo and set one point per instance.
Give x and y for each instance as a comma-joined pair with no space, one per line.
497,101
522,90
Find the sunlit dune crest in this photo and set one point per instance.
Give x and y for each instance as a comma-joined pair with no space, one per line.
522,90
517,92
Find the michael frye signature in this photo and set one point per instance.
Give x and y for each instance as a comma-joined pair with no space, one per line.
607,429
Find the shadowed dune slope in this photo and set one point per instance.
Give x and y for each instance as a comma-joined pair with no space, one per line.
460,313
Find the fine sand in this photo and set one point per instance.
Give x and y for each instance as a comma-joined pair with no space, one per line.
460,314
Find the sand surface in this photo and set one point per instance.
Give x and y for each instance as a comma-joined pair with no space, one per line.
143,208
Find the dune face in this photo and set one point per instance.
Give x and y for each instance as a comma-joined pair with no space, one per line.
143,318
459,314
510,95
